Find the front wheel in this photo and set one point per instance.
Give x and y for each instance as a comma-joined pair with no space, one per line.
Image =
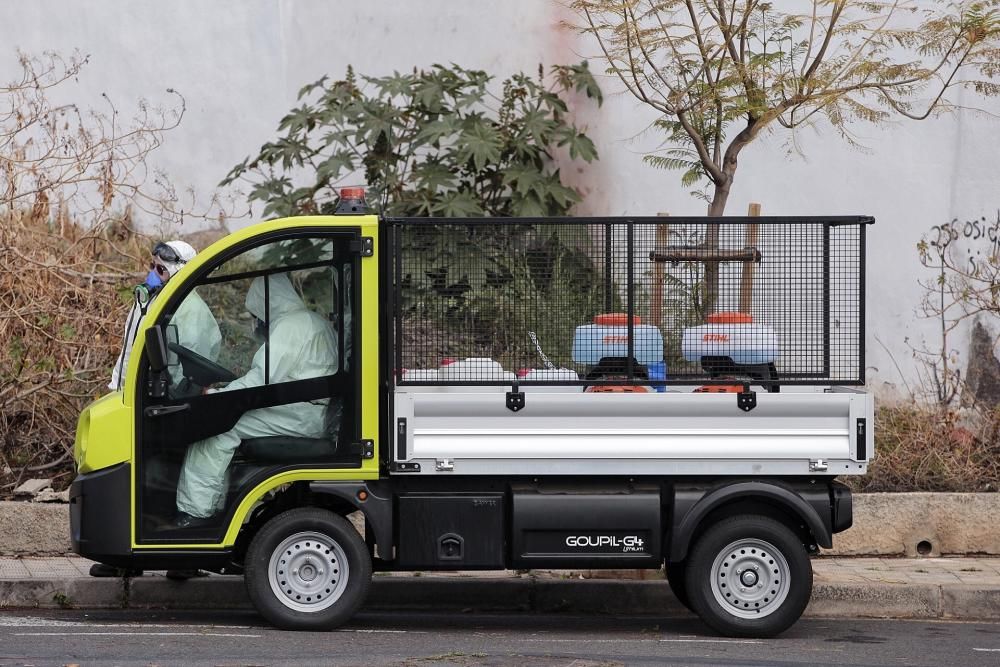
307,569
749,576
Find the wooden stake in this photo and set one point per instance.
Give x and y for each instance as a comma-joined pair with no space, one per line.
659,271
746,281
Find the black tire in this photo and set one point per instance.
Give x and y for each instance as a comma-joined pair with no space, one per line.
677,578
309,550
749,576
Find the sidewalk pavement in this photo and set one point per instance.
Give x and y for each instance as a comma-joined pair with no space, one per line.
951,588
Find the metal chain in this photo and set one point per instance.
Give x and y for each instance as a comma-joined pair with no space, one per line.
545,360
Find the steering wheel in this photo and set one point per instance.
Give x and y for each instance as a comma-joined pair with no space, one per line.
201,370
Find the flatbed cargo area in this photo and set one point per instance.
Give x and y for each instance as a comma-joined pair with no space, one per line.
788,433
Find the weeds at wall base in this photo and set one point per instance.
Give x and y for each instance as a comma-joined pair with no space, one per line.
928,449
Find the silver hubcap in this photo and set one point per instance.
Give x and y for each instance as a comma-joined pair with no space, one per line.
308,571
750,578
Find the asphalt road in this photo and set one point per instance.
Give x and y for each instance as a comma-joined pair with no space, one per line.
460,640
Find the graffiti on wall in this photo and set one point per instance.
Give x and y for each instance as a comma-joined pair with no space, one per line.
972,242
965,258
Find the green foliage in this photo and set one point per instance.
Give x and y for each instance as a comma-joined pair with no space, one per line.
484,288
435,142
684,302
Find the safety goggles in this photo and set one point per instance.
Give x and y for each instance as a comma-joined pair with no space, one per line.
167,254
160,269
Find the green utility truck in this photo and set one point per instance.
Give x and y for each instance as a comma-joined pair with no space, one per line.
463,432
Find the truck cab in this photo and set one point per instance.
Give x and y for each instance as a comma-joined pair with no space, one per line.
251,460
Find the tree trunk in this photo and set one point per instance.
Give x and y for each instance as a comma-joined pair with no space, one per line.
717,207
719,199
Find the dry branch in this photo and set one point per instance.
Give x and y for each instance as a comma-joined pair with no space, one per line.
71,183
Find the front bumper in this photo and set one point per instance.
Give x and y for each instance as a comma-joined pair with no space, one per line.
100,513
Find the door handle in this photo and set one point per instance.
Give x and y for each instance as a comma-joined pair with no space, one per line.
160,410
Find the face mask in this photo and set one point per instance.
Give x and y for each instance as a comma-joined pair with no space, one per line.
145,291
153,280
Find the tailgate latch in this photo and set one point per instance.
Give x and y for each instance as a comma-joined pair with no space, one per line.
746,400
515,399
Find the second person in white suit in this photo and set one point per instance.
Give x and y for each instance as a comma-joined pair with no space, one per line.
301,345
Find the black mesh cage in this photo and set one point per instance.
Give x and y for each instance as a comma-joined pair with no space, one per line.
619,302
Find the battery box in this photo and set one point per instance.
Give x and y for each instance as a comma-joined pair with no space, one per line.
600,527
451,531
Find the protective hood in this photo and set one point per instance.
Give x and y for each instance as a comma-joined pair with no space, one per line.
282,297
184,250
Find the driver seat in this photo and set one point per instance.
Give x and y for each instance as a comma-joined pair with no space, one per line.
289,449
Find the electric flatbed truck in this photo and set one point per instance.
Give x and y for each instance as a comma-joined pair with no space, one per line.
574,393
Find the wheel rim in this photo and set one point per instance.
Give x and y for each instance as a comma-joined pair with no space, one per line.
750,578
308,571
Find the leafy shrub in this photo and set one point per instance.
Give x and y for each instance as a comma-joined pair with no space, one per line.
435,142
441,142
477,291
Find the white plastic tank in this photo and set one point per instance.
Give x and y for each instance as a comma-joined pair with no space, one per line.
473,370
732,335
551,375
421,375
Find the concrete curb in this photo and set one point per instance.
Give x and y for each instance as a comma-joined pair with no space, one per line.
63,593
429,593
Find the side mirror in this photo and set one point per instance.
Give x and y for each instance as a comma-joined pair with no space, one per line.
156,348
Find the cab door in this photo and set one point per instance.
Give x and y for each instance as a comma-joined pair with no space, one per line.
262,379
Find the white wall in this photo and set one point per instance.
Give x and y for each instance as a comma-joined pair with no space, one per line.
239,64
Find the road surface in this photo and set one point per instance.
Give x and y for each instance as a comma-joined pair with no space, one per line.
460,640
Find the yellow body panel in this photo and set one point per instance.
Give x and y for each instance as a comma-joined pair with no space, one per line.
104,434
258,492
106,430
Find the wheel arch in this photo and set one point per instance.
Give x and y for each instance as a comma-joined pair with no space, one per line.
341,498
695,509
369,499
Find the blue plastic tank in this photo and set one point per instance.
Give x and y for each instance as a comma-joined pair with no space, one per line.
593,342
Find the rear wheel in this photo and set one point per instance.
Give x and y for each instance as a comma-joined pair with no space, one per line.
307,569
749,576
677,578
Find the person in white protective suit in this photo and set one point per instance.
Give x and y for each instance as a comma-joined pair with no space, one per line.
197,329
302,345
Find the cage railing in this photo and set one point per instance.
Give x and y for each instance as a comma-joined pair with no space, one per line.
619,303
